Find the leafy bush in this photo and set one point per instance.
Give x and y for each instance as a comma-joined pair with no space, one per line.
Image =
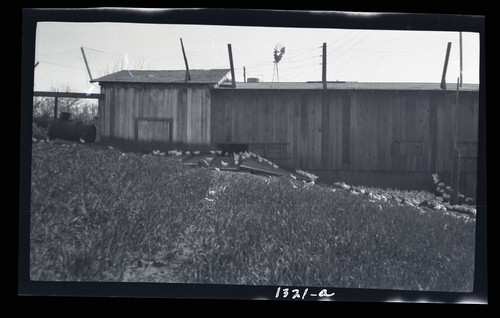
80,109
38,133
43,121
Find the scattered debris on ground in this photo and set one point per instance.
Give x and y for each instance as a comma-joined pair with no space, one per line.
242,162
255,164
248,162
420,200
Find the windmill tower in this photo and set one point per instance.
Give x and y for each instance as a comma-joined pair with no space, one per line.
278,53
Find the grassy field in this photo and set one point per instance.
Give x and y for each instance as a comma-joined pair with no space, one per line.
99,214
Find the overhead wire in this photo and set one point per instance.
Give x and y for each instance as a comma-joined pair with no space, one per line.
121,54
308,71
353,46
289,63
334,49
292,57
62,65
286,64
57,53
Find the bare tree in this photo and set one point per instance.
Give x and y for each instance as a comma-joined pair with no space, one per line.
43,107
124,63
67,103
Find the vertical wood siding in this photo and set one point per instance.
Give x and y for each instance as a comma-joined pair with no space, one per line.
373,131
356,130
188,108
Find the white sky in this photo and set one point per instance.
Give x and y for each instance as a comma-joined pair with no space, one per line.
353,55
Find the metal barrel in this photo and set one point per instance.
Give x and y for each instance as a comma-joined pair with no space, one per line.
86,132
72,130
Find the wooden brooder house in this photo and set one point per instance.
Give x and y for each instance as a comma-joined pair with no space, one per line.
380,134
151,109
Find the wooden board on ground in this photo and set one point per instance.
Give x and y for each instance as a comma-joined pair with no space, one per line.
228,163
301,177
262,167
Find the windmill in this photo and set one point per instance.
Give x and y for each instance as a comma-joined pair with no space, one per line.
278,53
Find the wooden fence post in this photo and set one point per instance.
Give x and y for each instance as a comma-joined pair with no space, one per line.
455,173
445,67
323,67
188,73
55,107
230,51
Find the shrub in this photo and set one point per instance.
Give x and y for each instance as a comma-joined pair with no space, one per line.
43,121
38,132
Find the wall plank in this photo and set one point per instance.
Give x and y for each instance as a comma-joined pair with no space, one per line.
118,112
111,111
196,116
426,128
442,110
249,117
130,112
381,136
397,134
317,126
103,113
297,128
312,136
353,162
303,132
172,101
189,110
123,112
342,119
276,128
360,140
346,136
206,117
268,128
283,118
289,127
391,105
373,119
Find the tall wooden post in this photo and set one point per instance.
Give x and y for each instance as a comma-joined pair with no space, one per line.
325,116
56,102
86,63
461,62
188,74
455,174
445,68
324,66
244,74
230,51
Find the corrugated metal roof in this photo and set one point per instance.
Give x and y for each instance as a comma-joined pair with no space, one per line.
170,76
350,86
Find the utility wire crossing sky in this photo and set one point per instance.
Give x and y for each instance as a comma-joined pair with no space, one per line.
352,54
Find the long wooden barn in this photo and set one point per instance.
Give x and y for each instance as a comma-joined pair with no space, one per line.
380,134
